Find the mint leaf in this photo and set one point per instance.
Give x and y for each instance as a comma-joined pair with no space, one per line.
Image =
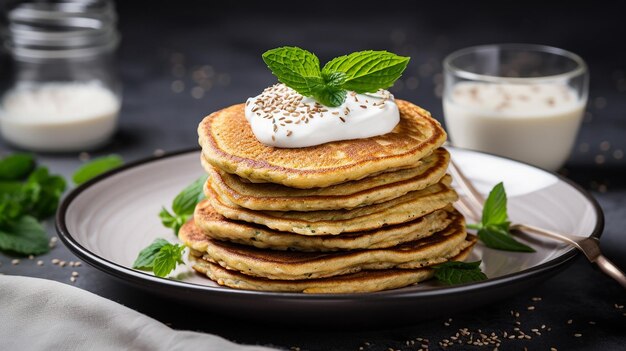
41,193
168,257
16,166
183,205
185,202
167,219
368,71
494,209
493,230
96,167
497,237
454,272
296,68
145,259
25,236
364,71
172,221
330,96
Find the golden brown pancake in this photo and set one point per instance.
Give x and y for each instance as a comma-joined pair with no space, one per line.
357,193
292,265
400,210
360,282
228,143
219,227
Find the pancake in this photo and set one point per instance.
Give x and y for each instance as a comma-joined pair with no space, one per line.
360,282
291,265
357,193
219,227
400,210
228,143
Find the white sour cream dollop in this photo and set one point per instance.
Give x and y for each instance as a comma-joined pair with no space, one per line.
281,117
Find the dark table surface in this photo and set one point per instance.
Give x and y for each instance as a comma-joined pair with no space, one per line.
179,63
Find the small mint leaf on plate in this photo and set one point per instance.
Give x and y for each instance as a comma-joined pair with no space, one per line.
166,260
495,207
455,272
145,259
185,202
496,237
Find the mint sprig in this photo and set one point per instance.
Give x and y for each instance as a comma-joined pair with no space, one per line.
161,257
16,166
362,72
455,272
27,195
493,230
183,205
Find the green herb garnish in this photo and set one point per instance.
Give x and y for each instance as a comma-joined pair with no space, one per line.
493,230
183,205
16,166
362,72
160,257
27,195
25,235
96,167
454,272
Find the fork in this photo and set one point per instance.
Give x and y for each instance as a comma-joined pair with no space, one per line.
589,246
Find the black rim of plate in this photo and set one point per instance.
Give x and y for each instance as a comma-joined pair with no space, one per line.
141,278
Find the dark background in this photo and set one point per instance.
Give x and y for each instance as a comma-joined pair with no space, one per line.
180,60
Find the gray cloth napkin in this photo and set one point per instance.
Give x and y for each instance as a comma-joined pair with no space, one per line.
38,314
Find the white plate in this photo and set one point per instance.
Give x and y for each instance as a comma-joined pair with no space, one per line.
108,220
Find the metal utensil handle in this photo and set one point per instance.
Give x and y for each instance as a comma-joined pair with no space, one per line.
611,270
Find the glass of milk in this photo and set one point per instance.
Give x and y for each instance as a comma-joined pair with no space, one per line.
64,95
520,101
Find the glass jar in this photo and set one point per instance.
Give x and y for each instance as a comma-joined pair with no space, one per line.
64,95
521,101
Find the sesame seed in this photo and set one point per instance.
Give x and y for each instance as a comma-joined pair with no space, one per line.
40,263
72,279
30,257
362,106
15,262
569,321
531,308
77,264
84,156
62,263
536,298
578,335
55,261
74,274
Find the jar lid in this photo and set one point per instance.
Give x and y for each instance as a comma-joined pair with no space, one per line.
61,29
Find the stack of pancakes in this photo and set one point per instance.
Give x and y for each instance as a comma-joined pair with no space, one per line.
349,216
